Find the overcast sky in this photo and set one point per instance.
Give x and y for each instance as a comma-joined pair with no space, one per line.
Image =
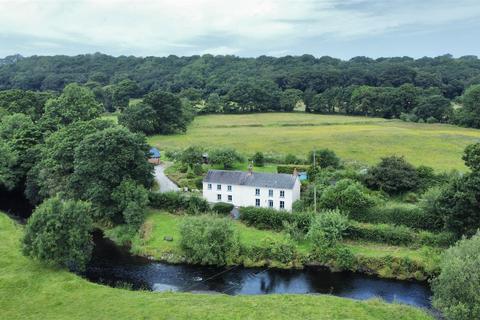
339,28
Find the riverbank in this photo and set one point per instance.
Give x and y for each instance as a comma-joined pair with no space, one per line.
30,290
393,262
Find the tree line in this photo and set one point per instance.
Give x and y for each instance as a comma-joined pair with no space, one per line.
420,89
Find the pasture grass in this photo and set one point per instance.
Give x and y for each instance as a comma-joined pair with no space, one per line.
353,138
30,290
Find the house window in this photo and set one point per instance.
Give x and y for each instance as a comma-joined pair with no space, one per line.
270,203
229,198
229,188
257,192
209,186
219,187
282,193
270,193
219,197
257,202
282,204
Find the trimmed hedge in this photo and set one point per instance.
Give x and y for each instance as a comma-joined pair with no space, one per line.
222,208
408,215
291,167
263,218
398,235
178,201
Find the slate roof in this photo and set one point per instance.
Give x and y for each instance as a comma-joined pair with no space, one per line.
256,179
154,153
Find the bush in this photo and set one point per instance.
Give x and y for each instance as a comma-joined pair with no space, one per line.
258,159
263,218
456,289
398,235
327,228
283,251
393,175
209,240
179,202
324,158
405,214
58,232
348,196
292,159
222,208
288,169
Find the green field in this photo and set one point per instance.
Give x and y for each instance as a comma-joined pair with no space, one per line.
29,290
352,138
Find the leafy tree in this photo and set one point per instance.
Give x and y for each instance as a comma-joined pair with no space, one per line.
192,156
58,232
258,159
138,118
394,175
8,160
76,103
471,157
51,174
469,115
289,99
103,160
123,91
214,103
27,102
226,157
324,158
131,199
435,106
170,114
455,290
209,240
255,95
348,196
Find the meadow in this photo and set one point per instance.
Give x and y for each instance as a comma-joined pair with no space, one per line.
30,290
360,139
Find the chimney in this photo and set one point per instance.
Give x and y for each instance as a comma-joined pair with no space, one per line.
295,172
250,170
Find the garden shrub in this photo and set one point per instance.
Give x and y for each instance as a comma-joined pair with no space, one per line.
209,240
264,218
177,202
222,208
283,251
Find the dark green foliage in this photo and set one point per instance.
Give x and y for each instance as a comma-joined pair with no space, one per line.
327,228
456,289
58,232
27,102
264,218
179,202
289,99
469,115
209,240
283,251
471,157
398,235
433,106
393,175
222,208
258,159
324,158
404,214
170,114
8,161
292,159
103,160
225,157
138,118
76,103
191,156
347,195
131,200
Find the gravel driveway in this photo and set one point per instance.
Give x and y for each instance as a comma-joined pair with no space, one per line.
163,181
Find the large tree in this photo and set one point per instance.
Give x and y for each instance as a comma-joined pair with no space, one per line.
76,103
170,115
139,117
103,160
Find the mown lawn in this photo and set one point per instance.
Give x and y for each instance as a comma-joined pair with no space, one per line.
29,290
352,138
160,224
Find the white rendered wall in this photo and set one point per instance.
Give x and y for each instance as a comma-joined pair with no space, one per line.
244,196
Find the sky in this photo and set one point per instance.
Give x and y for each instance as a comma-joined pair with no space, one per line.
247,28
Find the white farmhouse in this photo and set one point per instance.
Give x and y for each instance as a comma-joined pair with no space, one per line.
243,189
